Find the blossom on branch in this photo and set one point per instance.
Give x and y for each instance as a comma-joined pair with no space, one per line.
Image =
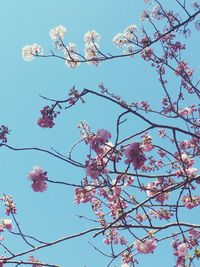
30,51
3,133
57,32
147,246
38,178
135,155
48,115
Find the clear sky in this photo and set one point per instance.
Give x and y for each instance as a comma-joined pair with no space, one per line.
52,214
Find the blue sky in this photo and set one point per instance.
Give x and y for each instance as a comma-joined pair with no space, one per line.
52,215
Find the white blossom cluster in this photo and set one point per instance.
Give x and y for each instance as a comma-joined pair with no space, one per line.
156,13
30,51
57,32
71,54
126,39
91,47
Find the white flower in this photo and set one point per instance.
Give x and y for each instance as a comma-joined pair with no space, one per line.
57,32
91,36
144,15
125,265
129,50
191,172
184,156
91,53
156,13
30,51
130,31
72,59
119,40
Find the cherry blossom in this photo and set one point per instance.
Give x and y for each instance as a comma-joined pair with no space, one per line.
30,51
48,116
146,246
135,155
38,178
57,32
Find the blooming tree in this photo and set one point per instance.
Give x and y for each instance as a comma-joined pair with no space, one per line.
142,186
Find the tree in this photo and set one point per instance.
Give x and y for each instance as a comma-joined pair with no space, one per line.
140,177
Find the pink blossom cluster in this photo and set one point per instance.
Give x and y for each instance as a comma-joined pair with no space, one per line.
1,261
31,259
135,155
161,214
146,246
73,96
184,71
48,116
99,139
3,133
6,224
187,111
147,53
38,178
83,195
115,203
146,144
180,250
9,204
158,186
112,236
191,202
94,167
127,258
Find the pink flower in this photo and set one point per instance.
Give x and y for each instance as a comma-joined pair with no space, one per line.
83,195
135,155
3,133
99,139
154,187
33,260
1,261
146,246
48,115
9,204
38,178
7,223
147,53
146,144
94,167
191,201
182,249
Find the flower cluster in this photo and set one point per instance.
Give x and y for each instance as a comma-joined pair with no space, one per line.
98,140
135,155
71,54
126,39
38,178
57,32
83,195
6,224
3,133
191,201
94,167
146,144
147,53
9,204
180,250
146,246
31,259
48,115
91,47
184,70
30,51
158,186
